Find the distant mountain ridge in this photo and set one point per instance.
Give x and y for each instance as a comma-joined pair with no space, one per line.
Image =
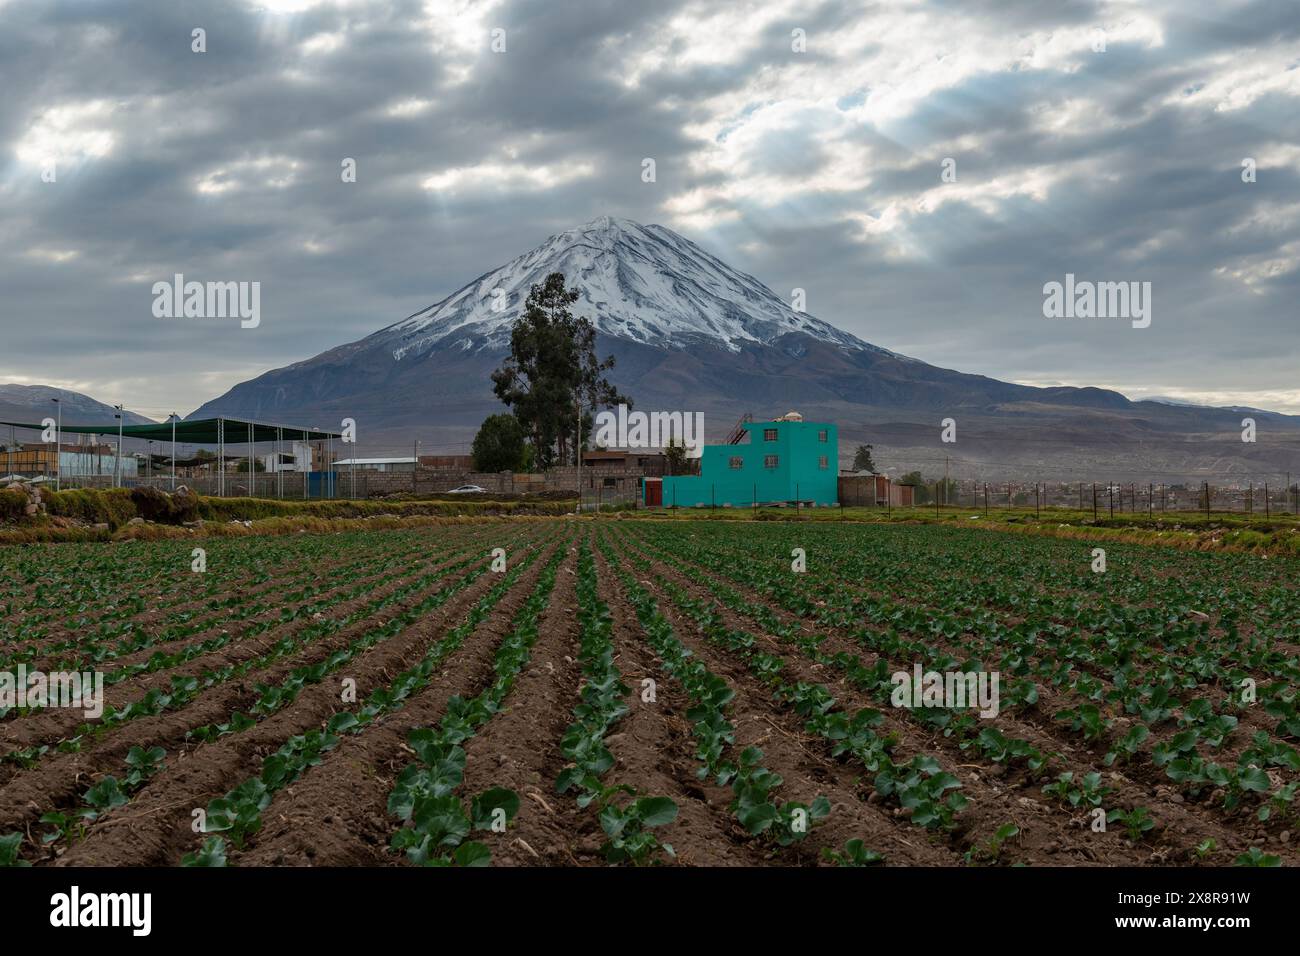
31,403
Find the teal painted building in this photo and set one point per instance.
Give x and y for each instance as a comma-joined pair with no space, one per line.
783,460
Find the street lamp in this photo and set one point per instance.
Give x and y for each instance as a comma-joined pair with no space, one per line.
117,465
58,440
577,452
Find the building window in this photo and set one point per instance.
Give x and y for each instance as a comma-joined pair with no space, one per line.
735,463
821,435
769,434
769,461
822,463
611,482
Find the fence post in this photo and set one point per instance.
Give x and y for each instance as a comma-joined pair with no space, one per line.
1110,491
1266,512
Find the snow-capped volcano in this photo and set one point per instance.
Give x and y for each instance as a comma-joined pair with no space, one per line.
690,333
646,284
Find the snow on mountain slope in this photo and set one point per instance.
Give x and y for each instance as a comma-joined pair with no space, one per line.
643,283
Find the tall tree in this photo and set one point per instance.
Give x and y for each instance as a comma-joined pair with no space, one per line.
862,460
675,457
552,367
499,444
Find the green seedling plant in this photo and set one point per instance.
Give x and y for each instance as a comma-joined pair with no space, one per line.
1136,821
627,829
1281,803
1167,751
10,846
753,786
926,790
1257,857
991,850
1129,745
855,853
1085,719
106,794
1087,791
212,853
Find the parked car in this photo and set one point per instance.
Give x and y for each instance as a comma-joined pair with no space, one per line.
466,490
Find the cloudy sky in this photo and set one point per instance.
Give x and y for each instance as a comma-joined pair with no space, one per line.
802,142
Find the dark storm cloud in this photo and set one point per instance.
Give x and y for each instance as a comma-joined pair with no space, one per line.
225,165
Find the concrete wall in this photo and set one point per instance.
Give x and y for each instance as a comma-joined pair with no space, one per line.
603,485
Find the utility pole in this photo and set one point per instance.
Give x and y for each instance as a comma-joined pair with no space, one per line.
58,446
117,466
945,481
577,453
173,416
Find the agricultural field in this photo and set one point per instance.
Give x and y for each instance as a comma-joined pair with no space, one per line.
555,692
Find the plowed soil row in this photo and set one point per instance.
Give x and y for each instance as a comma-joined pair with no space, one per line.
47,726
58,781
326,576
787,750
166,594
345,596
1049,832
155,829
336,812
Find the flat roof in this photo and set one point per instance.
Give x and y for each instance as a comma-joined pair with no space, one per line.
204,431
375,461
